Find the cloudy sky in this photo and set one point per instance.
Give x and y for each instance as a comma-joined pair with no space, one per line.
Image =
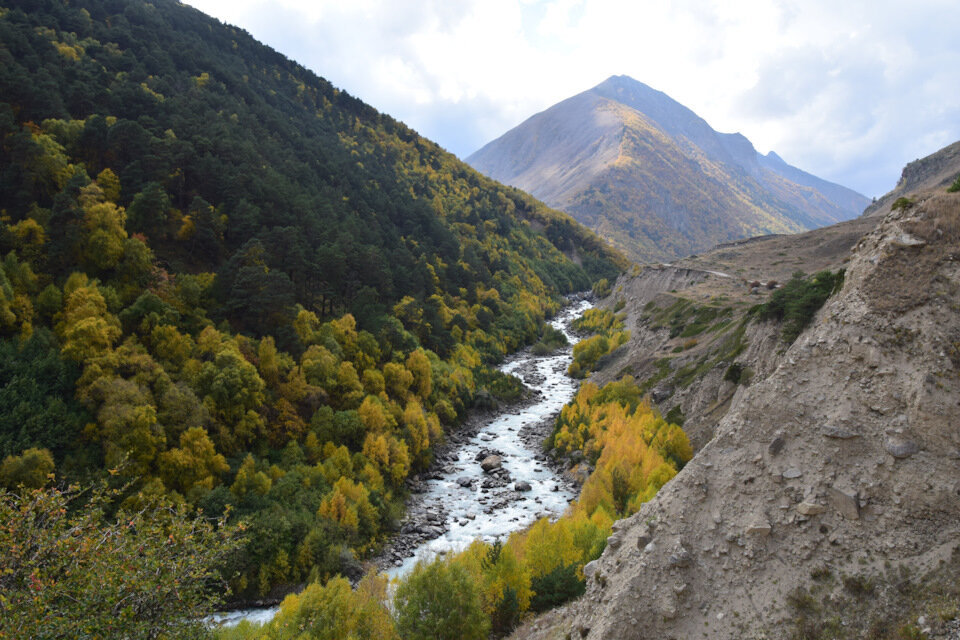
849,90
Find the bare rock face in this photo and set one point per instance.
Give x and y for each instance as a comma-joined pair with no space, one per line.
865,406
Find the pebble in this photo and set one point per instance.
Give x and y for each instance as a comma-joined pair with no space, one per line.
810,508
759,527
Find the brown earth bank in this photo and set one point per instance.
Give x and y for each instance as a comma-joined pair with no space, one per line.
824,500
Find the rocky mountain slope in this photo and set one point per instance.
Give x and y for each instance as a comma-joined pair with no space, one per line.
824,500
690,319
654,178
935,171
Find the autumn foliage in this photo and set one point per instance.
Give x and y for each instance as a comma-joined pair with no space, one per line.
607,336
487,587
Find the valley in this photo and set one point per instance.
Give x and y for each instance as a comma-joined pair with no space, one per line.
268,351
457,501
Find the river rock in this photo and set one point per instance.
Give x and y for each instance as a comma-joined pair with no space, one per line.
490,463
465,481
522,486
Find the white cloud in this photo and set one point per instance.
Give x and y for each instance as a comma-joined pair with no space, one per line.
847,90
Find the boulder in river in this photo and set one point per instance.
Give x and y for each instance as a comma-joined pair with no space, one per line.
522,486
490,463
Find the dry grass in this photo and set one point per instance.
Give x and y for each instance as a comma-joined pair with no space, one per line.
884,606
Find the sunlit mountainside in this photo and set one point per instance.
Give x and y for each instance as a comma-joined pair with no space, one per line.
655,179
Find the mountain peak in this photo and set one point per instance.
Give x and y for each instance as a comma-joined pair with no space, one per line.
774,157
655,178
623,81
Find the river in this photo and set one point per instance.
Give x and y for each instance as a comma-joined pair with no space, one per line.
460,502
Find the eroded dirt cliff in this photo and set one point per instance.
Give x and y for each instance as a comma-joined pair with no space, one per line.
821,479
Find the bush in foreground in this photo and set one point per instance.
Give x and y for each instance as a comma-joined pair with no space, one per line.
67,570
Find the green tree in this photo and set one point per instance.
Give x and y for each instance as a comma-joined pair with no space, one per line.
149,212
37,405
439,601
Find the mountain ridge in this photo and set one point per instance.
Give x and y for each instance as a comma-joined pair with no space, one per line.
688,187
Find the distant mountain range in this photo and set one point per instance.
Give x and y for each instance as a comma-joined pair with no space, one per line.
654,178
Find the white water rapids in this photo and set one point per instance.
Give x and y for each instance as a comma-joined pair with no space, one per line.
472,511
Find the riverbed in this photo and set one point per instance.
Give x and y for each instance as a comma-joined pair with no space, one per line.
458,501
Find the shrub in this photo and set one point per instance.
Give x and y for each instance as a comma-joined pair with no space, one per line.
734,373
601,288
798,300
902,203
858,585
953,188
69,571
556,587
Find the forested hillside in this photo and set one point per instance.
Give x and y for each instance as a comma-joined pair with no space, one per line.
230,284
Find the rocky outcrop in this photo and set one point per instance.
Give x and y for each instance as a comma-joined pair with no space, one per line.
931,172
847,455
